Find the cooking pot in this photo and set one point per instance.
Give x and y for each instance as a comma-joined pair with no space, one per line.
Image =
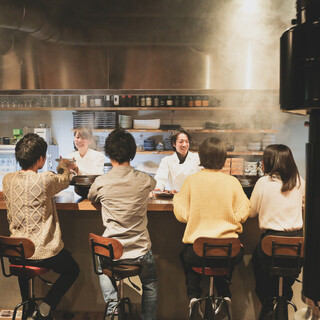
82,184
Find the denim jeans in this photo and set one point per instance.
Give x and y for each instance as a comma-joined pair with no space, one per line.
149,282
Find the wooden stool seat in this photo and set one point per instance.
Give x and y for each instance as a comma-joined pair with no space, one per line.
108,251
122,271
20,249
27,271
286,260
211,271
218,251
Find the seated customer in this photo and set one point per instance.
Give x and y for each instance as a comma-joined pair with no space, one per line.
174,169
212,204
88,161
277,199
123,193
32,214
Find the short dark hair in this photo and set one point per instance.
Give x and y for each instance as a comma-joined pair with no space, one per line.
29,149
212,153
174,136
278,160
120,146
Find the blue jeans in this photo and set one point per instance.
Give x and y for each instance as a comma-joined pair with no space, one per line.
149,282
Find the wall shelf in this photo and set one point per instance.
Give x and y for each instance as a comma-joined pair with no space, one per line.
199,131
230,153
132,108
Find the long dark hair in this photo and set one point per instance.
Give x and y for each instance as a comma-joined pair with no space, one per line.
278,161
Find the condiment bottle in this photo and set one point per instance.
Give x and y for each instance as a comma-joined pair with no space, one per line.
156,101
198,102
148,101
137,101
205,101
169,101
190,102
176,101
162,101
143,101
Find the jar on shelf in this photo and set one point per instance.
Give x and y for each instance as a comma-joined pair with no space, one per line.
156,101
176,101
123,101
137,101
190,101
162,101
169,102
116,100
143,101
148,101
130,101
205,101
107,101
184,101
198,101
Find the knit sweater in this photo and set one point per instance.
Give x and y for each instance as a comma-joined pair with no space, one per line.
31,211
212,204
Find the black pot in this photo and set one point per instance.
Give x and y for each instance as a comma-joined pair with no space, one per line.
82,184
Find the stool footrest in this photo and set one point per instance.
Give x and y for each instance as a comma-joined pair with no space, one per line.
211,271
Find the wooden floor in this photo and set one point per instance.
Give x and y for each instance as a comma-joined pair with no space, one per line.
58,315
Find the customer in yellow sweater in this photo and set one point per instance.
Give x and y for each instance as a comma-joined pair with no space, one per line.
212,204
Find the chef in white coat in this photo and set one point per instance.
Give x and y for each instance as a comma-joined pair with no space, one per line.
174,169
88,161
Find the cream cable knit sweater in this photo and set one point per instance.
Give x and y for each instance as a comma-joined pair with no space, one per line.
212,204
31,209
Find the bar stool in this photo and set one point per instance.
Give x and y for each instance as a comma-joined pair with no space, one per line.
215,249
110,250
286,261
21,249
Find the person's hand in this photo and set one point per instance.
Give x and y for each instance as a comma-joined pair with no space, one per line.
173,191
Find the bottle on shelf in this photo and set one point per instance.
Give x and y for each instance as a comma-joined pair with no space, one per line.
169,102
137,100
176,101
107,101
143,101
148,101
198,101
190,101
156,101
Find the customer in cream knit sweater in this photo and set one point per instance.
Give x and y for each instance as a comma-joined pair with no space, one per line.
212,204
32,214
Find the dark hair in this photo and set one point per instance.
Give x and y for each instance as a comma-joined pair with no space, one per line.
174,136
29,149
212,153
278,161
120,146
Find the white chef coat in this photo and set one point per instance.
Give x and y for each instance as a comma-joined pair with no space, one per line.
91,164
171,174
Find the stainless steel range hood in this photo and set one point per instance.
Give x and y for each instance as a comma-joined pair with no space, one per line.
138,44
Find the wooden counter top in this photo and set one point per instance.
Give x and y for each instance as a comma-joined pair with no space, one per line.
68,200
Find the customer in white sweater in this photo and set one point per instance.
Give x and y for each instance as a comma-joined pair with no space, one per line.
277,199
32,214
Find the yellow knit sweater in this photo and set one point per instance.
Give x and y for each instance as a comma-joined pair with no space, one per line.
212,204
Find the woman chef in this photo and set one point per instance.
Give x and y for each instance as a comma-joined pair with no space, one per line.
88,161
174,169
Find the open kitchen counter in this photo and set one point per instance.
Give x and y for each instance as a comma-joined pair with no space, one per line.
68,200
